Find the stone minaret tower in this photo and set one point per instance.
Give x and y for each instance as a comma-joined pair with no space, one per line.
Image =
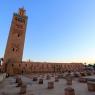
16,39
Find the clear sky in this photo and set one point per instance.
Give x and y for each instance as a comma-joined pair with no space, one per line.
57,30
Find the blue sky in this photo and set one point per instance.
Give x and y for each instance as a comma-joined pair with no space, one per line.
57,30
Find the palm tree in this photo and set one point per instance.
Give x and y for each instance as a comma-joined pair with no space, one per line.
94,66
1,60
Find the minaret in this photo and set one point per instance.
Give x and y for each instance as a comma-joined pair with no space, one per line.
16,38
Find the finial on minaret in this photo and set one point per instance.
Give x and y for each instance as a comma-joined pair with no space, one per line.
21,11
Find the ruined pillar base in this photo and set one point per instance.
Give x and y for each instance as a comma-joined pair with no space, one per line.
50,85
69,91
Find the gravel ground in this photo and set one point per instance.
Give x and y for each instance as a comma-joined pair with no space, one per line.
8,87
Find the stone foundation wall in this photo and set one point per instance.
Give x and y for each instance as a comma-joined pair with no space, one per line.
42,67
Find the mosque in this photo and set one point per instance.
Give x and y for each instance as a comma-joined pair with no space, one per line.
12,62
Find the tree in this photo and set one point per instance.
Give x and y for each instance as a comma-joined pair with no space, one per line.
1,60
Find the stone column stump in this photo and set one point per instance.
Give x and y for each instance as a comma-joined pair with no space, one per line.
19,81
91,86
47,77
35,79
40,81
69,81
56,79
23,89
50,85
52,75
69,91
82,80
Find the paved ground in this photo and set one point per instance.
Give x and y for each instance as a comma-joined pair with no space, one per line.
8,87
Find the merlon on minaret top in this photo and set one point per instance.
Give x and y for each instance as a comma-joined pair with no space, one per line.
22,12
